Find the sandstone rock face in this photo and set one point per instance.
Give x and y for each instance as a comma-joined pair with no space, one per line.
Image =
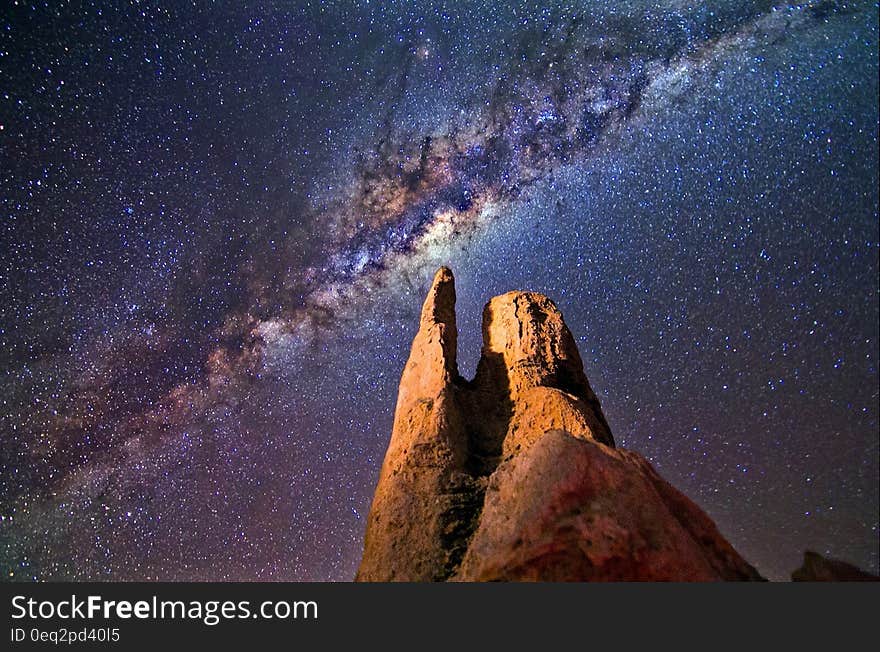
422,487
514,475
571,509
817,568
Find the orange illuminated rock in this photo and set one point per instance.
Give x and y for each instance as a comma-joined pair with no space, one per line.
422,483
514,475
571,509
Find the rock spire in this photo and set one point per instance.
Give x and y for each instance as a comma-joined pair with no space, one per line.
514,475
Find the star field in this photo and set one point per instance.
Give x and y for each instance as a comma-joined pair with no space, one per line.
219,222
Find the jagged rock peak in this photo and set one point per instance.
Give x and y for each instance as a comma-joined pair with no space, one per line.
408,537
527,332
514,475
438,315
432,363
526,345
439,306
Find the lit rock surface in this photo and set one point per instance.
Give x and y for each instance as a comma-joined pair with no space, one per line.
422,488
514,475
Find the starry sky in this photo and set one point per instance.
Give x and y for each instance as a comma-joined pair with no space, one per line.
219,221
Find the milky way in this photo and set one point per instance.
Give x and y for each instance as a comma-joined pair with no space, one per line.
219,223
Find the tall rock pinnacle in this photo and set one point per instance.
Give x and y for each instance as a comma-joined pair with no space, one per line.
413,524
514,475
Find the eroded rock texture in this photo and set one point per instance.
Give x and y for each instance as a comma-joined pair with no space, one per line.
514,475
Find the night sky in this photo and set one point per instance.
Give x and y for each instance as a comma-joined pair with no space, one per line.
219,223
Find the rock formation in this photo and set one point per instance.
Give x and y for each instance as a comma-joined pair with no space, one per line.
514,475
817,568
